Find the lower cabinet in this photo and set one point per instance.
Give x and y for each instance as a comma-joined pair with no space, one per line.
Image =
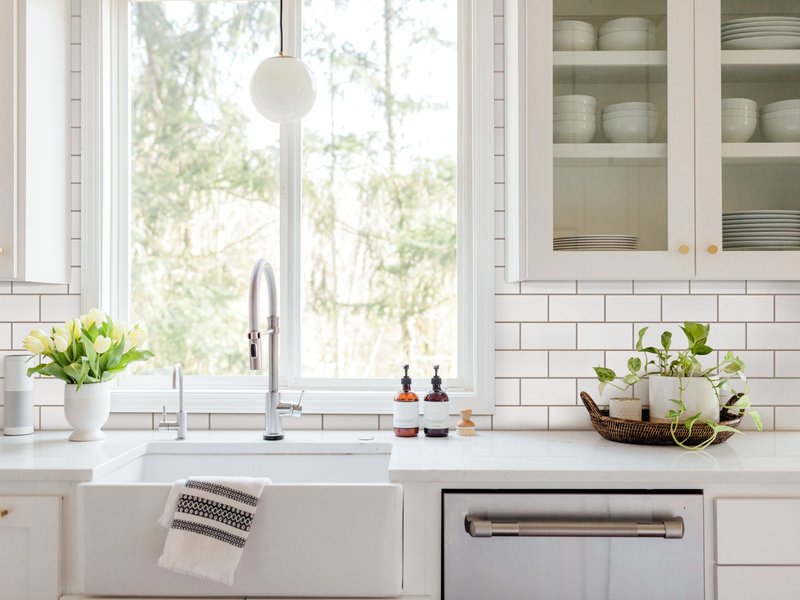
758,548
30,542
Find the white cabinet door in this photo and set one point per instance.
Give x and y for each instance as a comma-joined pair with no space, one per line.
758,531
7,142
34,150
597,190
749,583
747,199
30,541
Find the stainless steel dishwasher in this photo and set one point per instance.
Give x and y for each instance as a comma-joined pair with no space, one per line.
572,545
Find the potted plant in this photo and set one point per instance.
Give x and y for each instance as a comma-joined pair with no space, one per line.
681,389
87,353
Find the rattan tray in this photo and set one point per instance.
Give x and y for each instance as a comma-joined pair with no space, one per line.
653,434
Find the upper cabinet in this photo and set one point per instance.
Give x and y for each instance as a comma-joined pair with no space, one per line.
34,151
641,142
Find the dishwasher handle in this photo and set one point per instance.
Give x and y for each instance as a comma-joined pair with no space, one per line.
485,528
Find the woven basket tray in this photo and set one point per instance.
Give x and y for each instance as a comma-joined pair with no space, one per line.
653,434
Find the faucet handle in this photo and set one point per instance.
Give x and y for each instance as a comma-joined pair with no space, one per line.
164,424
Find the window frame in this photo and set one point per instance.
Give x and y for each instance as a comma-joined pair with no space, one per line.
104,242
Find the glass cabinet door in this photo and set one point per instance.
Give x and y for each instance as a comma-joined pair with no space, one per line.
748,138
610,139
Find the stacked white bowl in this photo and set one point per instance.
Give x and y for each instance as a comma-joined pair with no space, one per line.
573,35
780,121
627,33
739,119
629,122
574,120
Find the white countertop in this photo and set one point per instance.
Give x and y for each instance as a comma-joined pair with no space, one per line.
557,457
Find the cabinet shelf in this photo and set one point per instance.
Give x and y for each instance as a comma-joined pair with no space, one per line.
760,65
761,153
594,66
567,155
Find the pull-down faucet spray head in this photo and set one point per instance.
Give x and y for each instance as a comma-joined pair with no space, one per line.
254,335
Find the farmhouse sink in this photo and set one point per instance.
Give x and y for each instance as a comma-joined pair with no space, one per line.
329,525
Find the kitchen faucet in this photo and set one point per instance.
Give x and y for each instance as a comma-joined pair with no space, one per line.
274,408
180,423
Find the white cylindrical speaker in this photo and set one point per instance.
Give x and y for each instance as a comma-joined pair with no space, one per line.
18,395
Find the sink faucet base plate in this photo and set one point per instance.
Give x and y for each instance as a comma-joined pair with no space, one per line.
273,437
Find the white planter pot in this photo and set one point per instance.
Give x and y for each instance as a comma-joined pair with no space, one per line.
698,397
87,410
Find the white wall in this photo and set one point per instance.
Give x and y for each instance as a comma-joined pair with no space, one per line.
548,334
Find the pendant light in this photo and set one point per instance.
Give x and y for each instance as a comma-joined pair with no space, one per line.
282,88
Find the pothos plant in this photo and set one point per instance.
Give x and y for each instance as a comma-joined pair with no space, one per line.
684,364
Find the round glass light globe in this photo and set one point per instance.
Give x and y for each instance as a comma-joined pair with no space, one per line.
283,89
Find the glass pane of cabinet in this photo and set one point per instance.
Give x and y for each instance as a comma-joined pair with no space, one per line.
760,84
610,126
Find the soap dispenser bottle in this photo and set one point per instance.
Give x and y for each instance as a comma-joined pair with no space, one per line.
437,408
406,409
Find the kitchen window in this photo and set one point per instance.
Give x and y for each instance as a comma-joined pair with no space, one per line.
375,210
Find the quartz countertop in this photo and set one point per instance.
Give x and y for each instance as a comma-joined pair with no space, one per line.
557,457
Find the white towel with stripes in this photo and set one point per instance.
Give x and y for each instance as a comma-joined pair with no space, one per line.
209,519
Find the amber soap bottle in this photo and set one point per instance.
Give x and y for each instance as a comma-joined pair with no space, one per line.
406,409
437,408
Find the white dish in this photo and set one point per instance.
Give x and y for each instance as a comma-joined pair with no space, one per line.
572,40
781,126
762,19
738,128
781,105
574,132
626,41
759,34
770,244
623,114
630,106
574,108
630,130
764,211
763,43
739,103
627,24
572,24
790,30
574,116
761,235
579,98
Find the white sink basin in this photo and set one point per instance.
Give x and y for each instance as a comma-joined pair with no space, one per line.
329,525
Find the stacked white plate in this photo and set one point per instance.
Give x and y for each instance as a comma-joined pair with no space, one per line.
596,242
761,230
761,33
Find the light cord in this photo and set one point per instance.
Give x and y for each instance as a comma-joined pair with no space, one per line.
280,23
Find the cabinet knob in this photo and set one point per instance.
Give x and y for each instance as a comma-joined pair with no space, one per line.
1,252
684,249
713,249
3,512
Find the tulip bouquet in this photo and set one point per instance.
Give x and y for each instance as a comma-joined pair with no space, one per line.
90,349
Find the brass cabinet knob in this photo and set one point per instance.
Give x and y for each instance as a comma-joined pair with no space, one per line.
713,249
3,512
1,252
684,249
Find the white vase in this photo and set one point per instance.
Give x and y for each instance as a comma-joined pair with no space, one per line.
698,397
87,410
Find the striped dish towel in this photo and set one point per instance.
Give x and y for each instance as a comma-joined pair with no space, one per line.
209,519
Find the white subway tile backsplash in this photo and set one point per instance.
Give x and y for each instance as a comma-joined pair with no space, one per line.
501,286
5,336
605,287
596,336
357,422
660,287
546,392
520,363
569,418
758,363
123,421
787,308
577,308
787,418
767,414
787,364
549,336
773,287
718,287
506,336
689,308
520,417
724,336
574,363
499,253
520,308
773,336
305,421
548,287
60,308
19,308
52,419
499,224
746,308
506,392
775,391
233,421
499,196
633,308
